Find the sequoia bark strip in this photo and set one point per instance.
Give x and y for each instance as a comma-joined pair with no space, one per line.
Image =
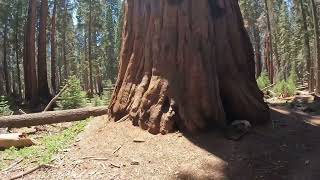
186,64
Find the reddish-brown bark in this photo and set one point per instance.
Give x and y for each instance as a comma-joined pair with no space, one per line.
30,74
257,49
186,64
44,92
267,56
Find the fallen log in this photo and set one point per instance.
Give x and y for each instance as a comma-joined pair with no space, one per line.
51,117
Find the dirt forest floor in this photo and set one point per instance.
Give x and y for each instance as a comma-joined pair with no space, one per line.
287,149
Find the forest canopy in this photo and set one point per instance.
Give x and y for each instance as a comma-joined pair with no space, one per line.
45,42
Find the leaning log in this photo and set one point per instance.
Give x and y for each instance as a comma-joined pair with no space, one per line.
52,117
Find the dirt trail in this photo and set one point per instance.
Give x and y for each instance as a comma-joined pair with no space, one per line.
287,149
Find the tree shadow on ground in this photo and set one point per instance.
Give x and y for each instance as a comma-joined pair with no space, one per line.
288,149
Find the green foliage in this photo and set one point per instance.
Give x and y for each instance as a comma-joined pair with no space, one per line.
48,146
293,78
4,107
263,80
289,87
74,96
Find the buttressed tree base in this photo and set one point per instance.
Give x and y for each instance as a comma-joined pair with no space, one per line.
186,64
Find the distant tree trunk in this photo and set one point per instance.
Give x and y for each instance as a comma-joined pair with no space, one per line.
53,48
257,53
99,80
110,50
317,45
17,50
13,80
90,50
64,56
31,86
44,92
85,64
59,68
5,58
269,38
2,89
307,56
267,56
179,71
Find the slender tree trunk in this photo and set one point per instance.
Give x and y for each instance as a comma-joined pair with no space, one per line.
257,52
273,44
317,45
29,59
90,50
173,67
85,64
53,48
2,89
5,58
269,38
60,68
17,50
64,56
306,42
99,80
44,92
12,79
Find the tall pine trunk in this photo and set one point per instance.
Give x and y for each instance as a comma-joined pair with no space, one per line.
53,48
44,91
30,76
180,63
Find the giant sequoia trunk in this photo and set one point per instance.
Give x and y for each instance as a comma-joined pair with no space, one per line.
186,64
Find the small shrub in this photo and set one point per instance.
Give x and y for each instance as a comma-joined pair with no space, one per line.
4,107
74,96
263,80
293,78
287,88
